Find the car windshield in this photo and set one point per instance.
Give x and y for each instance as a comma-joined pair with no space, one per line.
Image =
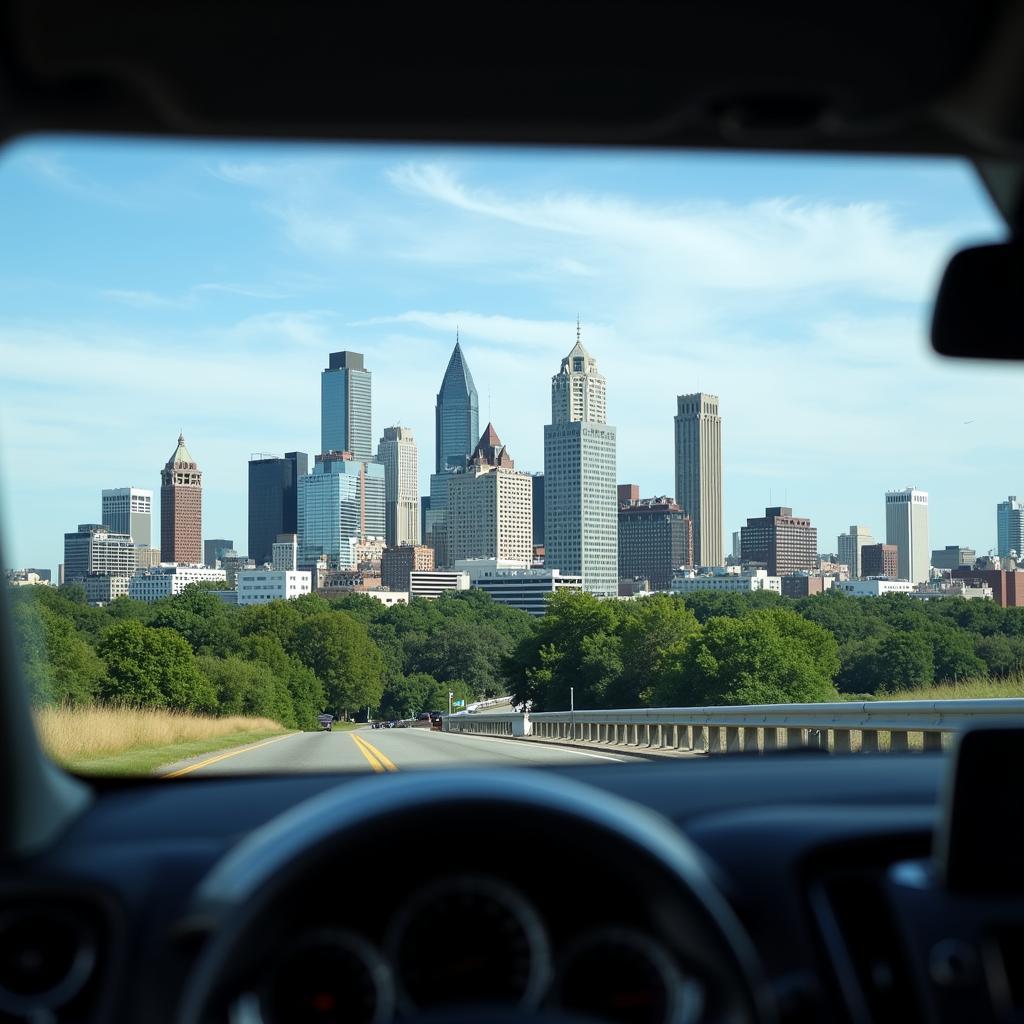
497,456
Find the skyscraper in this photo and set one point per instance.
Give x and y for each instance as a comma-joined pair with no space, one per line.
456,416
581,536
1010,527
273,500
784,542
215,548
538,509
181,508
906,526
490,506
345,406
128,510
699,472
396,452
456,429
850,545
341,503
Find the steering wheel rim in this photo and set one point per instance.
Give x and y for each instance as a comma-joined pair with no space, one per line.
245,881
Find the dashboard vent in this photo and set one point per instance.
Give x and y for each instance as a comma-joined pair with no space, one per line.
48,955
864,946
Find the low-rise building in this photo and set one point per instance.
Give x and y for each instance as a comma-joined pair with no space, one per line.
260,586
101,589
433,583
873,587
952,556
146,558
169,579
1007,584
397,563
727,578
25,578
807,584
515,584
940,588
233,563
389,598
339,582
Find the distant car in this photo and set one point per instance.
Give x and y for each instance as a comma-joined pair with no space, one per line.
325,722
436,720
391,724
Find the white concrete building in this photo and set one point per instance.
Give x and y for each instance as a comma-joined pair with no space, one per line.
517,585
873,587
128,510
260,586
698,453
730,578
285,552
397,453
168,579
490,506
849,548
389,598
102,589
93,548
581,510
906,526
434,582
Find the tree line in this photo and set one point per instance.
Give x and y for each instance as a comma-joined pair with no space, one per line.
292,660
287,660
760,648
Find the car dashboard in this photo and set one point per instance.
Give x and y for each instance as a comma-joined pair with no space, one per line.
436,900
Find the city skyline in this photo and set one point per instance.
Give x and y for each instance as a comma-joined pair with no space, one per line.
843,430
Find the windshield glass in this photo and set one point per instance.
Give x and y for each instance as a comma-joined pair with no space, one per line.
468,455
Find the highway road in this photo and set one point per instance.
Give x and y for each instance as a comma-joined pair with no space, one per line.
384,750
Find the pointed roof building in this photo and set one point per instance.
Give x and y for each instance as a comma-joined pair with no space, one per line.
491,452
578,390
457,416
181,508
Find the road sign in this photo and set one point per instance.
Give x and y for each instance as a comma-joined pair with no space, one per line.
459,704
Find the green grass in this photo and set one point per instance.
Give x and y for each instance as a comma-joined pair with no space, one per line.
968,689
146,760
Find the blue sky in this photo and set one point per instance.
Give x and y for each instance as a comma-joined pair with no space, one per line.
152,287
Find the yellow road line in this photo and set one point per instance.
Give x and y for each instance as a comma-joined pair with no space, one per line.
224,757
380,761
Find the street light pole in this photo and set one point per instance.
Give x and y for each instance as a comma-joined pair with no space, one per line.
450,695
572,711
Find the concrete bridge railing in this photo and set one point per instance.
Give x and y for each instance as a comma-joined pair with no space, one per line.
862,726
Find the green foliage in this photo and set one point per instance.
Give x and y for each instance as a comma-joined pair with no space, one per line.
248,688
767,657
59,667
903,661
153,668
338,648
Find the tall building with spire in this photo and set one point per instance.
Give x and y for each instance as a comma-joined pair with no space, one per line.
457,414
490,506
181,508
580,498
345,406
456,429
699,473
396,452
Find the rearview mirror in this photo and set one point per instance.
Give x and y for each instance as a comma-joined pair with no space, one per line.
979,312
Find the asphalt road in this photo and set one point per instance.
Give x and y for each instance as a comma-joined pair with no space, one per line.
384,750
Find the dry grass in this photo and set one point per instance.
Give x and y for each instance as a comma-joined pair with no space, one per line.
969,689
74,734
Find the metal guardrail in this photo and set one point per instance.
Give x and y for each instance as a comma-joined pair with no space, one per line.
867,726
483,705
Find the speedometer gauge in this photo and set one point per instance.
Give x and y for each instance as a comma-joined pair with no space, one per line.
469,942
327,976
620,975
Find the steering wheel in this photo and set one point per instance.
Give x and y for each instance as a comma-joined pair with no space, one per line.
244,898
